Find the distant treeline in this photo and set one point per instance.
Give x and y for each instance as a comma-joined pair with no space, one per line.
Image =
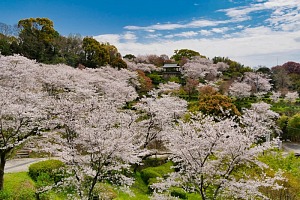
35,38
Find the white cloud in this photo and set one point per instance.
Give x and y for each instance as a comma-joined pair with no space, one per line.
172,26
129,36
253,46
111,38
187,34
155,27
220,30
205,32
153,36
285,13
250,44
116,38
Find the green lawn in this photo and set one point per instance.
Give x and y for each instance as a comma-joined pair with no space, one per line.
18,186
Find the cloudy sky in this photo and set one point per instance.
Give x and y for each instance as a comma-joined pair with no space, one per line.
252,32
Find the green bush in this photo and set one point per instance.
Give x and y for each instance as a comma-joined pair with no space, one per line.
156,78
153,162
178,192
164,169
293,127
148,174
49,167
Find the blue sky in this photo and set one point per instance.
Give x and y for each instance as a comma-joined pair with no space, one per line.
253,32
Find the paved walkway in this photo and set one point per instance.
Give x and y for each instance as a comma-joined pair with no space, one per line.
291,147
20,164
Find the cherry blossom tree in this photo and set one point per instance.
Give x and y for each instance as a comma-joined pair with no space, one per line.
22,100
157,113
258,81
132,66
221,66
169,87
291,97
190,86
240,90
96,143
275,96
259,120
90,132
209,153
200,68
81,108
260,95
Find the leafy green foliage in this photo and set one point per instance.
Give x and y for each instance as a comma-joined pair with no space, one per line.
119,63
293,127
129,56
150,174
95,55
184,53
235,69
244,102
282,124
178,192
5,45
37,37
45,169
156,78
286,108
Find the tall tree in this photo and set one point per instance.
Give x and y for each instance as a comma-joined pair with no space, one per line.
22,100
157,114
184,54
281,78
94,137
209,154
37,37
69,49
95,54
258,81
240,90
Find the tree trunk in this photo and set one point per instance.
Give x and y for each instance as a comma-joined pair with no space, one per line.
95,179
2,165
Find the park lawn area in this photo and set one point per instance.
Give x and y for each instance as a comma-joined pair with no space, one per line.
18,186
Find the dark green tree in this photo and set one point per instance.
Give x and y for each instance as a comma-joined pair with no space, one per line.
95,54
37,37
129,56
70,49
118,63
185,53
5,45
235,69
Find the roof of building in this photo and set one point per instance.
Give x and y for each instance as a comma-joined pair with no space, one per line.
170,65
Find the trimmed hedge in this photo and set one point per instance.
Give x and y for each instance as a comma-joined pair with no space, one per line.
49,167
178,192
150,174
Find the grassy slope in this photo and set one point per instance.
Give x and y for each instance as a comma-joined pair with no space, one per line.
18,186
